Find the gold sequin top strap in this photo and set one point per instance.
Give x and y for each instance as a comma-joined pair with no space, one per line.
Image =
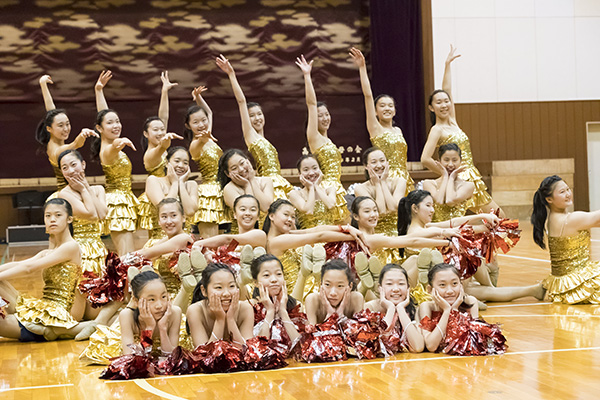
330,161
569,253
208,162
118,175
60,282
61,182
266,157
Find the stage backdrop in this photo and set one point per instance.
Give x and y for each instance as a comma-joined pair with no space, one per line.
74,41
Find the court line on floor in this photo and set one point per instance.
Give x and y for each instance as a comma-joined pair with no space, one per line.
35,387
539,315
143,384
524,258
520,305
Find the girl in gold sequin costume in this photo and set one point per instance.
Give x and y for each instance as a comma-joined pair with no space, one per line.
237,177
155,142
575,278
385,190
206,153
450,193
253,124
445,130
30,319
122,205
414,218
384,134
174,185
326,153
54,130
314,201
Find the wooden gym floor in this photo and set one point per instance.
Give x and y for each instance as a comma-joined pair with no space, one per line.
554,353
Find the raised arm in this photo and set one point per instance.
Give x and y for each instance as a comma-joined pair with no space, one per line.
103,79
197,95
447,79
250,134
163,107
315,139
48,102
373,125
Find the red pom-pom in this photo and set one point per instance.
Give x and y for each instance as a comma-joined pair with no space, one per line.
261,353
465,252
324,344
181,362
345,251
220,356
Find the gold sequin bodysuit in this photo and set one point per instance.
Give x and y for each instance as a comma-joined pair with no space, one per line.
480,195
393,145
93,252
320,216
147,214
53,309
121,203
210,196
575,278
267,164
444,212
61,182
330,161
291,259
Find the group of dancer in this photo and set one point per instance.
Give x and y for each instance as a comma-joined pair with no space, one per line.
301,273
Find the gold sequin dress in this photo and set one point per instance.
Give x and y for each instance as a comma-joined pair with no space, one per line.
267,164
388,224
393,145
122,204
320,216
210,195
480,195
146,211
61,182
330,161
444,212
53,309
291,260
93,251
574,278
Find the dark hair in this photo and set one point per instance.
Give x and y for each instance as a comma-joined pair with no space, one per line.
245,196
172,150
251,104
272,210
443,267
41,133
431,113
170,200
540,212
381,96
411,308
188,135
208,272
405,211
355,208
365,158
224,165
66,205
96,141
138,283
144,139
255,270
67,152
304,157
338,264
449,147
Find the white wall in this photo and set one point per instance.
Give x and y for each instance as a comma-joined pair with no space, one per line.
519,50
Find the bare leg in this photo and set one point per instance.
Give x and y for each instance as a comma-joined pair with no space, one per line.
206,230
483,275
182,300
410,265
491,293
10,294
123,242
9,327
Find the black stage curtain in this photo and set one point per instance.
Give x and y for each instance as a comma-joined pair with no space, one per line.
397,65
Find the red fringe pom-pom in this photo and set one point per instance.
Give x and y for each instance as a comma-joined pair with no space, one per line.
324,343
346,251
503,237
465,252
181,362
261,353
110,287
362,333
220,356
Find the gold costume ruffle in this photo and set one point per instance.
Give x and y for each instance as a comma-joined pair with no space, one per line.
387,256
419,294
393,145
320,216
93,251
210,195
171,280
481,196
575,278
330,161
267,164
388,224
61,182
53,309
291,260
148,220
444,212
122,204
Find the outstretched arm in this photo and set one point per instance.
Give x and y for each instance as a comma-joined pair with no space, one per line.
48,102
250,134
315,139
67,252
373,126
103,79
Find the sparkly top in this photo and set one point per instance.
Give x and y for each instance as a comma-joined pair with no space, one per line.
569,253
160,169
291,266
118,175
86,229
330,161
172,281
443,212
60,282
393,145
208,162
462,141
320,216
388,224
266,157
61,182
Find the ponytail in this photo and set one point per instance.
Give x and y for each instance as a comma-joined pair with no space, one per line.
405,211
540,210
